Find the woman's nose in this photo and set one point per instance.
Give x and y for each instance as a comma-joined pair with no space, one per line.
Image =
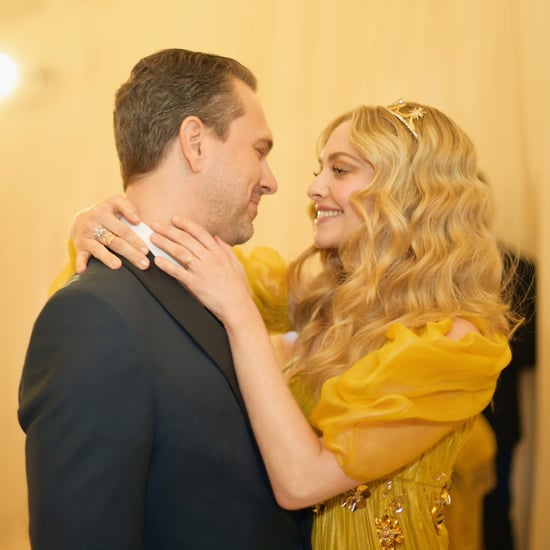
316,188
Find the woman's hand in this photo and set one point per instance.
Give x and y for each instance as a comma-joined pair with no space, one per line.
97,229
208,267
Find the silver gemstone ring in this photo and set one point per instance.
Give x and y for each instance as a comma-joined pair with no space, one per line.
99,232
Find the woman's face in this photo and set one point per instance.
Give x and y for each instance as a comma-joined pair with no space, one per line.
342,173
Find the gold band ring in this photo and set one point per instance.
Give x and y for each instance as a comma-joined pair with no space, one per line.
110,239
100,235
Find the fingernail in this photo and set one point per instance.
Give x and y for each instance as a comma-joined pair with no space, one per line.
144,251
143,263
155,225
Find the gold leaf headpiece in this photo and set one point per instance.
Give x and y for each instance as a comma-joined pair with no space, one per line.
397,109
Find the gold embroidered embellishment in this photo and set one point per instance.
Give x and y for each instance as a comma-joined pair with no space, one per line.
438,515
397,504
389,532
355,498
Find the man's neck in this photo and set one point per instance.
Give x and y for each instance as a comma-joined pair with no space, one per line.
152,202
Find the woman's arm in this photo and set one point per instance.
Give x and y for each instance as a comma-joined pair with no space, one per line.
301,469
120,237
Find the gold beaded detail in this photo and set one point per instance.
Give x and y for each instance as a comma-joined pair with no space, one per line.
388,529
389,532
438,515
355,499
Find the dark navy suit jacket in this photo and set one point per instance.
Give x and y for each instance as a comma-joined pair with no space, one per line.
137,437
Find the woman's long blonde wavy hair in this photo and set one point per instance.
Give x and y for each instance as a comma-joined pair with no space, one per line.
425,249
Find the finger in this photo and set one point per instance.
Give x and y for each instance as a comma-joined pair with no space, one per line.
98,251
227,247
176,271
136,257
171,232
195,230
167,237
111,241
121,205
122,230
81,261
182,253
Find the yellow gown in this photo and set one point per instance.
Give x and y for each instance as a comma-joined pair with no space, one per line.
418,377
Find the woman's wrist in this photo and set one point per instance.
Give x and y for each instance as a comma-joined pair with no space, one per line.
242,318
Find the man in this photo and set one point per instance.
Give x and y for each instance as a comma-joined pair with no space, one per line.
137,437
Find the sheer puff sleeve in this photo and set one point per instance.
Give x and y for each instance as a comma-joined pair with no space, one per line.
266,274
417,377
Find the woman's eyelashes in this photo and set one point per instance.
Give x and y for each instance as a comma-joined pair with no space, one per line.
339,171
336,169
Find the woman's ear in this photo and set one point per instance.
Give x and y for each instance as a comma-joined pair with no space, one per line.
191,136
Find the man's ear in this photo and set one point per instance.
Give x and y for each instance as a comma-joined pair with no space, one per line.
191,137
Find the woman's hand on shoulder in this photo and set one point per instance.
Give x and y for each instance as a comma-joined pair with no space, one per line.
97,230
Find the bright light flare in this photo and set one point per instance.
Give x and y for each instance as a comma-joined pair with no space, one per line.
8,74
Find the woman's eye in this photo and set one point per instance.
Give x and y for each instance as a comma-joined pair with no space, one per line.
337,170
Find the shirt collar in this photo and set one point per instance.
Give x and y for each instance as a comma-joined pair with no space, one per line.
144,232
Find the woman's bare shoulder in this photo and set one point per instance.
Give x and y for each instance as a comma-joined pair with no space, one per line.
460,328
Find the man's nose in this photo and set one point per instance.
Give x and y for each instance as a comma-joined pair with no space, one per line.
269,183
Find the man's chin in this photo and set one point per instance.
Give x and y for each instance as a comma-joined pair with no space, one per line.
239,235
244,237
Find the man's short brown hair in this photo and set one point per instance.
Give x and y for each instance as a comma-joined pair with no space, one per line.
165,88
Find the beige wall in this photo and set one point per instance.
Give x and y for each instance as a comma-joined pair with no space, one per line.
539,524
482,62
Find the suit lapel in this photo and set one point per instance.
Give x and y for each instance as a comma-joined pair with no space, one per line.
192,316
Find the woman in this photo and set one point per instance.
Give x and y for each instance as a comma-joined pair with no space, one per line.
401,333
